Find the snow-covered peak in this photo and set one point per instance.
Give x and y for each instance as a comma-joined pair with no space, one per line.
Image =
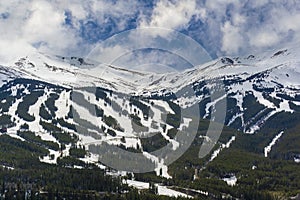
281,66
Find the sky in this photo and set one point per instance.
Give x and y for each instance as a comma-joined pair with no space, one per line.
221,27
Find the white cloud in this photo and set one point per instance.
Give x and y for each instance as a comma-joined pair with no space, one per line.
227,27
11,51
120,11
258,3
264,38
238,19
232,39
35,22
240,26
41,23
173,15
107,54
46,24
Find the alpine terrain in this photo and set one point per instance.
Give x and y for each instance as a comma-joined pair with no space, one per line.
65,122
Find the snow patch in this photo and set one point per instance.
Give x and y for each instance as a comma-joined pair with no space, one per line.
216,152
51,158
268,148
7,167
160,166
297,159
164,190
137,184
164,105
231,181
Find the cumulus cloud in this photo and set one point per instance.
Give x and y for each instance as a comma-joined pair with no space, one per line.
231,27
173,14
45,26
141,40
59,27
241,27
232,39
264,38
34,25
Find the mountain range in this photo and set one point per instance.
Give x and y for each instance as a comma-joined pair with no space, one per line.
237,117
